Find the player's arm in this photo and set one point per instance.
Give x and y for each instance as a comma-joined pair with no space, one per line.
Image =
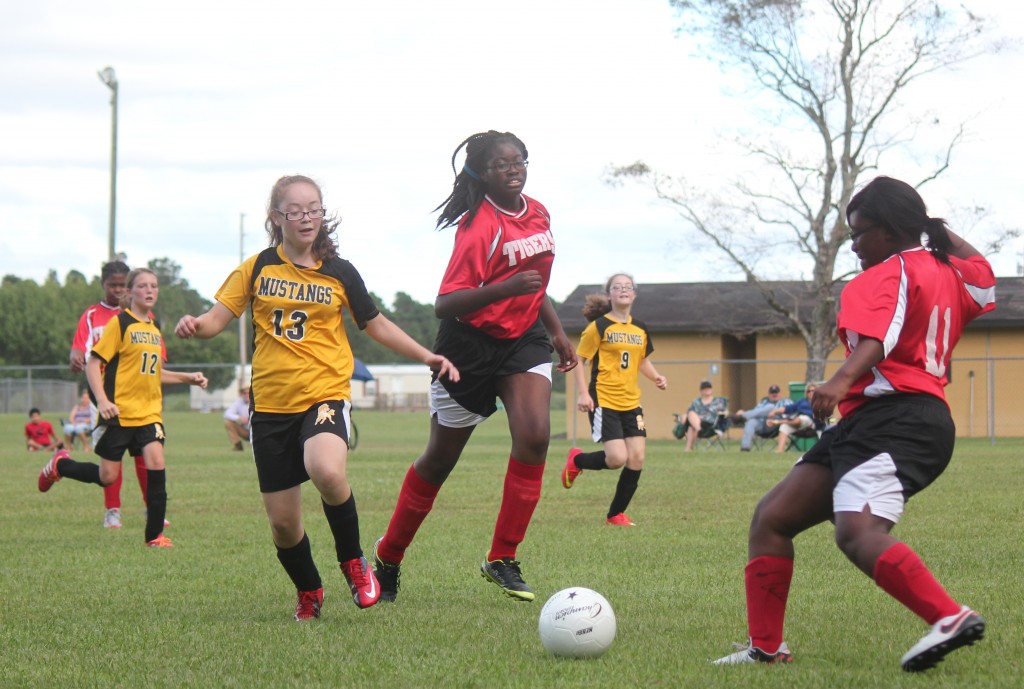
960,247
866,354
647,368
584,402
208,325
566,352
77,356
463,301
394,338
172,377
94,376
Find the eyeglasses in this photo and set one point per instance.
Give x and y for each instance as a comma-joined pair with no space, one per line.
502,166
853,235
314,214
621,288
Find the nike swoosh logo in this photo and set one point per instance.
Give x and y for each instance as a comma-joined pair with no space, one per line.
947,628
373,586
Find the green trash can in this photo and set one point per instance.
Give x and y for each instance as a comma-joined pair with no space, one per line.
796,392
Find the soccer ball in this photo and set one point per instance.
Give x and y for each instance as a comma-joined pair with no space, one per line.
577,623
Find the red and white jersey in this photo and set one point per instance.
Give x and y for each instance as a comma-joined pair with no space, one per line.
90,326
917,307
495,246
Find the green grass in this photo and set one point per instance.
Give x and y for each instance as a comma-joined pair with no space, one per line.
87,607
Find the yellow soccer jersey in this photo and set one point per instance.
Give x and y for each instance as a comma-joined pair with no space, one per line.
301,353
133,352
616,351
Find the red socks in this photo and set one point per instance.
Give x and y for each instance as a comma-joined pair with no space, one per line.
519,499
112,493
767,581
901,573
140,472
415,501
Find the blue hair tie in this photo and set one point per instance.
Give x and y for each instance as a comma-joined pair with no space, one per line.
471,172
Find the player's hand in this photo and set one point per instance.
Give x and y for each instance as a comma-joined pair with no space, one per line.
77,361
526,282
187,327
443,367
661,382
199,379
107,410
584,402
826,397
566,353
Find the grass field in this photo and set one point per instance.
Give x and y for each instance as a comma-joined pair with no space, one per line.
87,607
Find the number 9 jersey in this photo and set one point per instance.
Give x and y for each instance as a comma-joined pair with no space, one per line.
301,354
616,350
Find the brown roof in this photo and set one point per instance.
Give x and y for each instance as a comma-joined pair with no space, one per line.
739,308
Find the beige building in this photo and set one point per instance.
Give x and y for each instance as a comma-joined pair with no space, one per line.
724,332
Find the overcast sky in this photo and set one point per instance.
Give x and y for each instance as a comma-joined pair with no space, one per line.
219,99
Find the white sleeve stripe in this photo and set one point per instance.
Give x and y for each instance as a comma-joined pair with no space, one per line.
494,243
982,296
892,333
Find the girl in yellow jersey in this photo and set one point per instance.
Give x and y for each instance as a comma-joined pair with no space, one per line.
301,368
125,372
620,348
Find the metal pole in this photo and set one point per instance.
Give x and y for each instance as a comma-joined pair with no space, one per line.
108,77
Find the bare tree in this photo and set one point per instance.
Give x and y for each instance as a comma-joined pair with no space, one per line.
836,74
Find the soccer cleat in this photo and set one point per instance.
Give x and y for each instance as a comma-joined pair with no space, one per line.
160,541
362,582
571,471
112,519
508,576
748,653
387,574
309,604
620,519
49,475
946,635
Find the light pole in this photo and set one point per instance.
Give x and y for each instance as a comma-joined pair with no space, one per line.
108,77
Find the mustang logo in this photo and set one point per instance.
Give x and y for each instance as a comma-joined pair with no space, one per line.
324,414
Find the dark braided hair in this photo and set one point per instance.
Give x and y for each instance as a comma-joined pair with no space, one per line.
897,207
468,190
325,245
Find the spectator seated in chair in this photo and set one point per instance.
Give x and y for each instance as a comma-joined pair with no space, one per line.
706,416
755,421
794,418
236,419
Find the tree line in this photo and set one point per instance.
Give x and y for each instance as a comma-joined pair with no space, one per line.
38,321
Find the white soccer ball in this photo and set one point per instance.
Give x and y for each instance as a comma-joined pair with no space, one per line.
577,623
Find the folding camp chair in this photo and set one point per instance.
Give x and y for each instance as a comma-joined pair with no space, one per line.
709,435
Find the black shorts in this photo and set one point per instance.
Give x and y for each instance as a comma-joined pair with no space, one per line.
111,440
278,441
916,431
611,424
481,359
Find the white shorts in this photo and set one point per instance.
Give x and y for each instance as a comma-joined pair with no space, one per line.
453,415
873,483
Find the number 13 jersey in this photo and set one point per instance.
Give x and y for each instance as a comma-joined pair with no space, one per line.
301,354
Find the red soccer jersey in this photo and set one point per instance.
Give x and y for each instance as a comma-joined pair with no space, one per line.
90,326
40,432
495,246
917,307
